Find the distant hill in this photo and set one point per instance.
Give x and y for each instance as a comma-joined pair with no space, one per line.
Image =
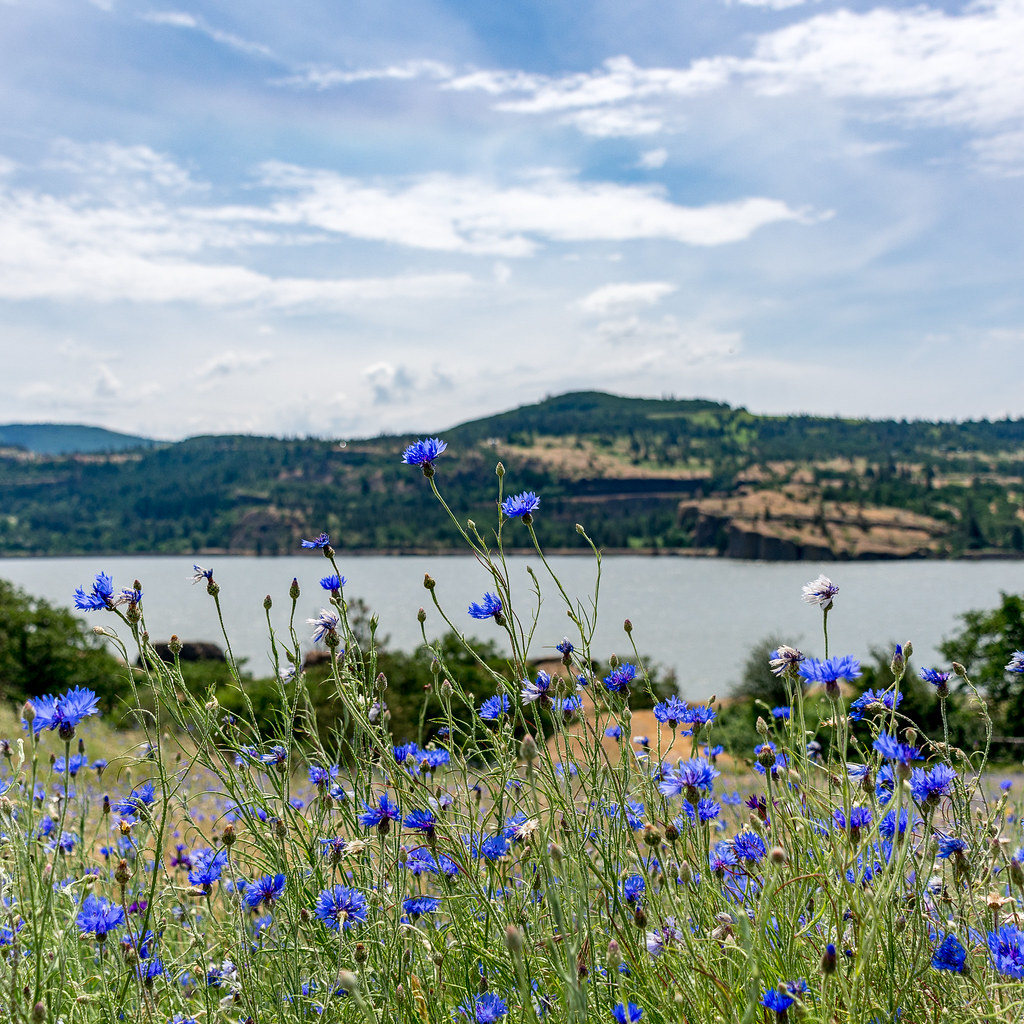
68,439
652,475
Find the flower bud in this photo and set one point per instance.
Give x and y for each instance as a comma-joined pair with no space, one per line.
428,581
627,626
828,959
359,954
121,873
499,470
267,603
348,981
778,855
293,590
685,872
762,728
227,837
614,956
959,669
528,749
514,940
421,615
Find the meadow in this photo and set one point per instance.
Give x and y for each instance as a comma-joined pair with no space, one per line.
523,856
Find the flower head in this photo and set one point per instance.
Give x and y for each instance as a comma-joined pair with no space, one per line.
340,907
323,541
199,574
521,506
333,583
64,712
820,592
1006,947
326,624
99,916
892,750
830,672
488,608
375,815
485,1008
940,680
424,453
784,660
628,1013
950,955
99,597
1016,662
620,677
874,700
494,707
417,906
927,786
266,890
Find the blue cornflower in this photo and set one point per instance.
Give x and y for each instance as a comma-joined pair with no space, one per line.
72,765
633,888
207,867
876,700
136,801
323,541
951,846
99,916
485,1008
494,847
1007,949
100,597
333,583
340,907
708,809
928,786
722,857
777,1000
521,506
424,453
628,1013
687,777
434,758
63,712
326,624
782,713
276,757
671,711
950,955
620,677
266,890
199,574
887,827
494,707
1016,662
320,776
537,690
417,906
565,648
421,821
701,714
891,749
940,680
830,672
613,731
488,608
860,817
749,845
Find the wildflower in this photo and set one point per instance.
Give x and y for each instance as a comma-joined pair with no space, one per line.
820,592
928,786
72,765
340,907
722,857
484,1008
488,608
276,757
266,890
326,624
781,713
63,712
99,916
888,827
671,711
136,801
687,777
872,700
493,848
860,817
775,998
940,680
421,821
633,888
951,846
100,597
424,453
494,707
521,506
384,811
207,867
627,1014
320,776
323,541
535,691
613,731
620,677
784,660
749,846
1016,662
708,809
417,906
891,749
565,648
950,955
199,574
830,672
333,583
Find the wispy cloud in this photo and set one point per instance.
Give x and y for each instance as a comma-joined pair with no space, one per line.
184,20
614,298
321,78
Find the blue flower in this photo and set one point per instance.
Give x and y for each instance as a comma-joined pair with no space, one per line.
521,506
323,541
374,816
417,906
1007,949
485,1008
620,678
421,821
341,907
672,711
775,999
633,888
207,867
830,672
928,786
950,955
891,749
137,800
266,890
199,574
1016,662
99,916
884,700
333,583
321,776
940,680
100,597
749,846
950,846
494,707
63,712
537,690
687,777
782,713
424,453
488,608
627,1014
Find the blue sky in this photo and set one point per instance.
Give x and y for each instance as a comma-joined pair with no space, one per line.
347,218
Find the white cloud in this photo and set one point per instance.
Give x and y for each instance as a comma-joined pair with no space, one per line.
775,5
613,298
653,159
232,362
617,122
111,164
321,78
667,341
445,213
183,20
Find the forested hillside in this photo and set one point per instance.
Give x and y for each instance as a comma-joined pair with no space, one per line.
641,474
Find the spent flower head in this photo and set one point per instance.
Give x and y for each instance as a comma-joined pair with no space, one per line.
821,592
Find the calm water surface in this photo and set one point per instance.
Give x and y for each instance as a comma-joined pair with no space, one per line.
697,616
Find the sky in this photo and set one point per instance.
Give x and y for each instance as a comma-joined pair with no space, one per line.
343,219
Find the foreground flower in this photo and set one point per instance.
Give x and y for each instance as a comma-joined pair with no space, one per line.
326,624
488,608
485,1008
494,707
784,660
266,890
874,700
424,453
101,596
340,907
830,672
820,592
376,815
950,955
99,916
620,678
927,787
63,713
627,1014
1007,949
521,506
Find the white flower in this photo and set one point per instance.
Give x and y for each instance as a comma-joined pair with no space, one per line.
820,592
